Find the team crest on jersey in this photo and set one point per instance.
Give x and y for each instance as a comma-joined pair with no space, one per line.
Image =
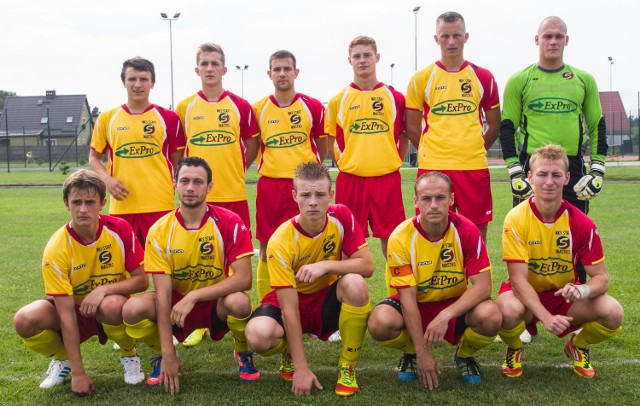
295,118
369,126
454,108
567,75
286,140
206,248
149,128
197,273
105,257
137,150
213,138
223,117
377,105
553,105
465,88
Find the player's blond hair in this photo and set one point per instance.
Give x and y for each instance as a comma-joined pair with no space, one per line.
363,40
311,171
210,47
436,175
85,180
552,152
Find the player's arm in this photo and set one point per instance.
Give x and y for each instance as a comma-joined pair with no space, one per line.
175,157
238,282
117,190
303,377
404,145
428,368
323,146
492,132
523,290
171,366
359,262
251,147
479,291
81,384
511,117
137,282
413,126
598,284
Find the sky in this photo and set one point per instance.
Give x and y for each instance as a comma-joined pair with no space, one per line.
77,47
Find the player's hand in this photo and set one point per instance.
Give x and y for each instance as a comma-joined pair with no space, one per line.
427,368
557,324
435,331
170,370
81,384
181,310
91,302
520,186
116,188
590,184
303,381
311,272
574,293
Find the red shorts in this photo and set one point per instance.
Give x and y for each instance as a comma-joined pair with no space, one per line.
274,205
203,315
472,190
87,326
553,304
141,223
241,208
312,308
376,200
429,311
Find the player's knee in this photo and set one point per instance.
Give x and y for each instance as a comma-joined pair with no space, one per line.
381,324
238,305
136,309
487,318
22,322
511,311
354,290
110,309
259,334
614,314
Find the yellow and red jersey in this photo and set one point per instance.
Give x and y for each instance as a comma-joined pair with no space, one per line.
288,134
139,146
196,258
71,267
438,269
216,131
290,248
366,126
453,104
550,249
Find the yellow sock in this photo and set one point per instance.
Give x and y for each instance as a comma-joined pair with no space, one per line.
282,346
472,342
352,325
402,342
48,343
263,283
387,281
120,336
512,337
593,333
147,332
237,326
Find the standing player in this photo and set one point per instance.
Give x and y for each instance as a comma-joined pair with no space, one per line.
365,124
144,143
317,264
433,257
291,132
453,96
543,239
90,266
548,102
220,128
189,253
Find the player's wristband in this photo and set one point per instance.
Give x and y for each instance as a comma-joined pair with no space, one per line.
597,168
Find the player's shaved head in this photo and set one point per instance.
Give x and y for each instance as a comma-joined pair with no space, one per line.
433,176
210,47
84,180
554,20
363,40
551,152
141,65
282,54
450,17
194,161
311,171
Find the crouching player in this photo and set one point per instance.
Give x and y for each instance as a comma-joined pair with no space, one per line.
432,258
542,241
317,263
84,267
189,252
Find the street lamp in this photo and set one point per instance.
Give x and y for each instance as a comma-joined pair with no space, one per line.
170,19
392,66
415,13
241,69
610,124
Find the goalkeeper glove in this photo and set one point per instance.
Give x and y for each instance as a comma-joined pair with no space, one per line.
520,186
590,184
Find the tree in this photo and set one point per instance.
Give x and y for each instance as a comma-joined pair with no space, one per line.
3,97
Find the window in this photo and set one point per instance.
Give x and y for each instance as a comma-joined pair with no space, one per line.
70,119
44,120
54,142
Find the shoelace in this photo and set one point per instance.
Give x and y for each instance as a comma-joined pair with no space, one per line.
347,374
511,357
406,363
471,367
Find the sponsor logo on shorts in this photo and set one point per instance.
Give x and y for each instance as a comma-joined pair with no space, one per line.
286,139
454,108
369,126
213,138
137,150
553,105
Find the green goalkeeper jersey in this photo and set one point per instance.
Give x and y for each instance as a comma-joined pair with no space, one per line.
542,107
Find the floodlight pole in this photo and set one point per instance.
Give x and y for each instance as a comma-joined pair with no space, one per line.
415,13
170,19
241,69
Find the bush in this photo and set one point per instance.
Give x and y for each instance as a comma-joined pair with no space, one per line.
64,167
